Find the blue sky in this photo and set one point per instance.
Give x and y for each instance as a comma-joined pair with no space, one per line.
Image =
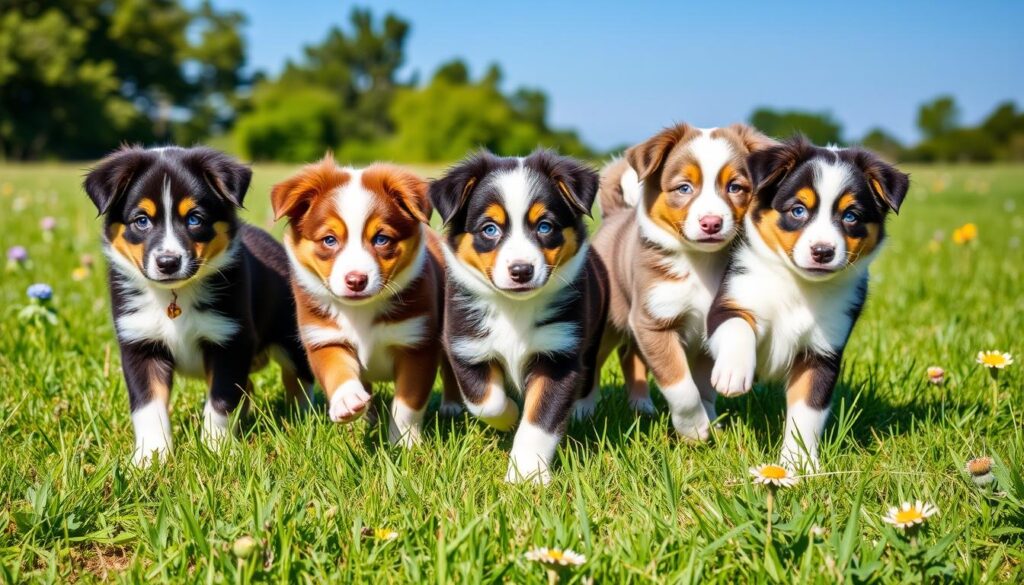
618,71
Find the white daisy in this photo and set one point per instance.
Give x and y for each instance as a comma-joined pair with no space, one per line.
909,516
555,556
773,475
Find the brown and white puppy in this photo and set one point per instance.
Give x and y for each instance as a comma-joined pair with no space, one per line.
369,286
672,210
194,290
796,286
526,297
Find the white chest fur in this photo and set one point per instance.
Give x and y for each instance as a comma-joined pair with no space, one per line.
373,340
145,319
508,332
689,294
792,315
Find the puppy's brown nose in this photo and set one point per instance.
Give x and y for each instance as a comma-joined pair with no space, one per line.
521,273
356,281
823,253
711,224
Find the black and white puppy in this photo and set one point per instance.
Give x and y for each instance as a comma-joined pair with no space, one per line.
526,298
193,290
795,287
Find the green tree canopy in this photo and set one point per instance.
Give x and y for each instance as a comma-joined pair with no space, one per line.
77,77
820,128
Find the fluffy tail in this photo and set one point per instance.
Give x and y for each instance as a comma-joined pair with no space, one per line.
620,188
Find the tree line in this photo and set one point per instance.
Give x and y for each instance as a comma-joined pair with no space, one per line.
79,77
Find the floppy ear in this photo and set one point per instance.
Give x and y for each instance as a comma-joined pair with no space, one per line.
225,175
110,178
576,182
293,196
752,138
769,166
889,184
450,193
647,157
408,190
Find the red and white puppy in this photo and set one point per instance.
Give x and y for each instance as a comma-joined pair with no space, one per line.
795,288
369,285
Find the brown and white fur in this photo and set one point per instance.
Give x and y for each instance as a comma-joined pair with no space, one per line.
796,285
666,256
369,286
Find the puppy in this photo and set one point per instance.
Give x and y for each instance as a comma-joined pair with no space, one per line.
671,209
795,287
193,290
526,298
369,284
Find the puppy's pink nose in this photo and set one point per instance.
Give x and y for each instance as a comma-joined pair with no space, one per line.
711,224
356,281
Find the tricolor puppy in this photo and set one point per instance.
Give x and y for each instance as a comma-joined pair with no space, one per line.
369,284
194,290
526,297
672,209
795,287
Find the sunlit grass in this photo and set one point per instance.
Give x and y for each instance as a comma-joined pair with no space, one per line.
300,499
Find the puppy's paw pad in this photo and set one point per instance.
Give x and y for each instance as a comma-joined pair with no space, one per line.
643,405
451,409
349,402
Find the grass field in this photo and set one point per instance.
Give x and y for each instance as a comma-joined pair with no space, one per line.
641,505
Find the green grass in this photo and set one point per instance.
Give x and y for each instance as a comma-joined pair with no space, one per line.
640,504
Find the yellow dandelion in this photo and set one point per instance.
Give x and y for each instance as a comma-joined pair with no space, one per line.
80,273
384,534
910,516
965,233
936,375
980,469
773,475
555,557
994,359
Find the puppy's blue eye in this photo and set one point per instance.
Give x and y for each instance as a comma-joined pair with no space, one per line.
734,188
850,217
330,241
381,240
545,227
194,220
142,223
491,230
685,188
798,211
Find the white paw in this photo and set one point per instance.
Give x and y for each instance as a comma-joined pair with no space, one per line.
733,373
734,346
152,434
799,460
451,409
642,405
349,402
146,455
215,428
405,424
693,424
585,407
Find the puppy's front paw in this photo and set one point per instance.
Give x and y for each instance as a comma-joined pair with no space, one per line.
349,402
520,472
584,408
692,425
734,346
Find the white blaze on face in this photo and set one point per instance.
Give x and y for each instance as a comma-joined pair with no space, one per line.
831,181
169,244
354,204
516,189
712,154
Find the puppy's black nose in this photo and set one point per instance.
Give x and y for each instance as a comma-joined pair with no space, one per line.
168,263
521,273
823,253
